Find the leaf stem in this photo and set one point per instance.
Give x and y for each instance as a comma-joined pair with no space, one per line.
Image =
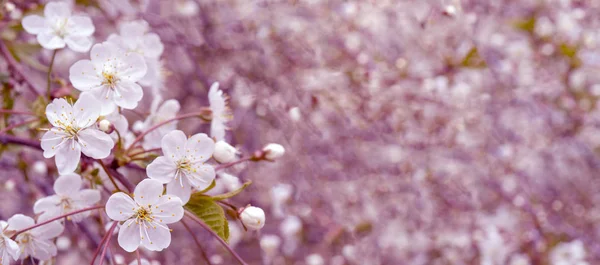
48,88
108,173
205,226
109,233
222,166
19,124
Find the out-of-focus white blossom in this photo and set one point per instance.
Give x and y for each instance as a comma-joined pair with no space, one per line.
68,198
37,242
182,166
568,253
145,217
143,261
166,111
291,226
73,133
40,167
111,76
224,152
315,259
58,27
273,151
270,243
63,243
220,112
253,217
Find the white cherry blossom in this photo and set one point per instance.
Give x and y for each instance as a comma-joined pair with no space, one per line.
183,165
167,110
36,242
134,37
58,27
73,133
68,198
145,217
118,122
220,112
9,250
110,76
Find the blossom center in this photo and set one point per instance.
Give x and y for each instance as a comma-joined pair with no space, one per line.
143,214
66,203
60,28
25,238
110,79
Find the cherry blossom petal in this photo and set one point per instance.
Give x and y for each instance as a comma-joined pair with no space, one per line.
173,145
156,237
67,157
87,197
129,236
202,177
34,24
153,47
95,143
133,68
83,76
101,93
79,43
12,248
169,209
162,169
199,147
51,140
180,188
217,129
128,94
168,109
120,207
59,112
50,40
147,192
86,110
19,222
44,249
133,28
67,184
57,10
47,204
102,53
80,26
48,231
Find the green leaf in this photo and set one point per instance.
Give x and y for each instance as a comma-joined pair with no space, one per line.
230,194
473,59
211,213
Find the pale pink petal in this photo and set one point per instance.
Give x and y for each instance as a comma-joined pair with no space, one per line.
50,40
46,204
80,26
153,47
86,110
162,169
180,188
87,197
173,145
51,141
134,28
83,76
48,231
57,10
169,209
19,222
79,43
129,236
101,93
67,157
12,248
59,112
133,67
202,177
102,53
156,238
199,147
67,184
95,143
34,24
128,94
44,249
120,207
148,191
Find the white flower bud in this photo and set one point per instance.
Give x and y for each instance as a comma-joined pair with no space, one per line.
253,217
224,152
274,151
105,126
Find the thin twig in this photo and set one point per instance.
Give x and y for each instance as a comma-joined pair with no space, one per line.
145,151
197,242
104,239
110,231
9,139
18,125
48,88
9,111
57,218
137,254
222,166
108,173
207,228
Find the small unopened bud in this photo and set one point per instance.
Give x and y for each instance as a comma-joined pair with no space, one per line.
450,10
105,126
253,217
273,151
224,152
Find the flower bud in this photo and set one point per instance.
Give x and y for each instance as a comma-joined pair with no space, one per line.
224,152
105,126
273,151
253,217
